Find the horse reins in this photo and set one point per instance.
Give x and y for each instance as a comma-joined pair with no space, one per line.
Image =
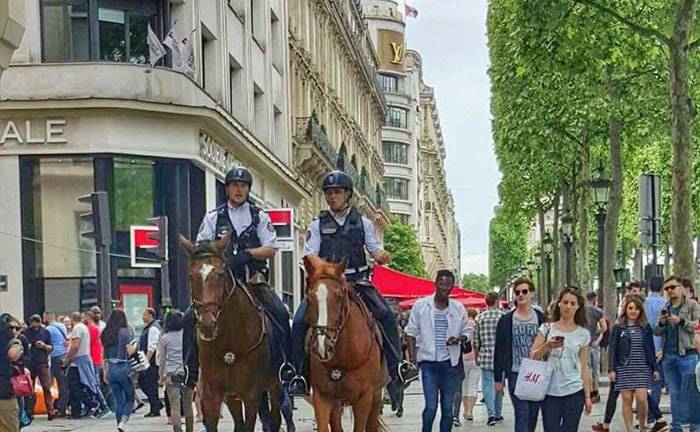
333,332
220,305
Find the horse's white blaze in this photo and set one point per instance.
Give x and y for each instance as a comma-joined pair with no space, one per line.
205,270
322,297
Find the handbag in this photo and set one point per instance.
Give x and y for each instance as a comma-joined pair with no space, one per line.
138,362
534,377
22,384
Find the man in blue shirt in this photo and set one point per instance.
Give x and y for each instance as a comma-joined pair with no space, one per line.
59,342
653,305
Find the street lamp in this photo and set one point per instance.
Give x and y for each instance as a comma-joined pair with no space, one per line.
547,246
567,233
600,187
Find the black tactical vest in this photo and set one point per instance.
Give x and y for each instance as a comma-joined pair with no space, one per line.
248,239
346,242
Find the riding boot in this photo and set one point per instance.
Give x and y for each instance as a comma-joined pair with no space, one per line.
298,386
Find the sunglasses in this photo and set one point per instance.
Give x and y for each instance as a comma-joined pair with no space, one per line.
14,328
670,287
523,292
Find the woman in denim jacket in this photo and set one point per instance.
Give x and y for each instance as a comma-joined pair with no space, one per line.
632,359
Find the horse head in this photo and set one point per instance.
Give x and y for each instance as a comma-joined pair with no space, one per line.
328,304
211,282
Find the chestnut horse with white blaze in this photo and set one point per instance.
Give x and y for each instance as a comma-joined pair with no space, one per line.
235,361
345,351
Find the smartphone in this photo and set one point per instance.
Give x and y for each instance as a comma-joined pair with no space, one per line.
664,312
559,339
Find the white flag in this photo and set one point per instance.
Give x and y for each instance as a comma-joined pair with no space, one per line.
171,41
187,56
156,51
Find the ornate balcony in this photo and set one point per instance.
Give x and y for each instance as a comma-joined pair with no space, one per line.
314,154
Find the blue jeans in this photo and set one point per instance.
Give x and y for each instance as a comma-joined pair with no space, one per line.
494,401
443,378
674,368
122,389
654,399
526,412
562,413
100,396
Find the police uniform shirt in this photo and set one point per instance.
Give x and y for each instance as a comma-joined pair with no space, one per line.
241,219
312,246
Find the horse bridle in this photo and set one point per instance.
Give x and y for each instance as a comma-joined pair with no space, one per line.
332,332
228,292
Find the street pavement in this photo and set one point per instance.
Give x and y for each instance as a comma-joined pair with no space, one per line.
303,416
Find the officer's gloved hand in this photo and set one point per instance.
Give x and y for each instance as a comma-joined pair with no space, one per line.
239,260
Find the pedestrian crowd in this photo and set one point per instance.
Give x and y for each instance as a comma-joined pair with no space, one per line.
550,360
96,367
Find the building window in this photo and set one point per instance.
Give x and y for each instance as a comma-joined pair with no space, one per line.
237,90
388,83
396,188
116,32
260,121
396,117
395,152
277,43
403,218
208,60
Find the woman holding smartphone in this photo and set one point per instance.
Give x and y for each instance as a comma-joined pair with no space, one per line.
564,342
632,359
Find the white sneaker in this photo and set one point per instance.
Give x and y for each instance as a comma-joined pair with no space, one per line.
121,427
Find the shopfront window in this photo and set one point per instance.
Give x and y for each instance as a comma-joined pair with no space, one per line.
61,271
133,204
106,30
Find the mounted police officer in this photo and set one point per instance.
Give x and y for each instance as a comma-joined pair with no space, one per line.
253,242
343,234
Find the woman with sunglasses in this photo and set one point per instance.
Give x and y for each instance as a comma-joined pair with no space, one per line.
515,334
564,342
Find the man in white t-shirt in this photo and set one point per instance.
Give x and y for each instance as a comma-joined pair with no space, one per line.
81,381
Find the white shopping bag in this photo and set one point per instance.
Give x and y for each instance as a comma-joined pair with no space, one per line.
533,380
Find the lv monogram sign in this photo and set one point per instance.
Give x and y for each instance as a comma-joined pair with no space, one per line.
397,50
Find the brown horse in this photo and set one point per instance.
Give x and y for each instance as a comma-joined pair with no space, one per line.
234,354
346,361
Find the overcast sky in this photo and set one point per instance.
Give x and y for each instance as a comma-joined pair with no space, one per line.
451,38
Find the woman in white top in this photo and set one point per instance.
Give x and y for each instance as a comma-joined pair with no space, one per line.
564,343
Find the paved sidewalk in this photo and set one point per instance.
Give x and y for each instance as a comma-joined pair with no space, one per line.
410,422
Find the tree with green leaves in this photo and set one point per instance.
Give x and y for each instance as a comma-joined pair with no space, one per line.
476,282
401,242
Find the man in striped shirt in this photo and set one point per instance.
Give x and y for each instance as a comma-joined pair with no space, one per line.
438,325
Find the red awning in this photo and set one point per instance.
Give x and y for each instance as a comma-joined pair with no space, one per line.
473,302
394,284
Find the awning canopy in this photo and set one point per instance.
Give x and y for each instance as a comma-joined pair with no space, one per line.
394,284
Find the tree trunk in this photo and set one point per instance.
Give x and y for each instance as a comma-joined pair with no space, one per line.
542,289
681,119
614,205
556,278
667,260
582,269
566,208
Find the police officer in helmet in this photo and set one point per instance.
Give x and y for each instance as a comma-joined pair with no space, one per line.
253,242
343,234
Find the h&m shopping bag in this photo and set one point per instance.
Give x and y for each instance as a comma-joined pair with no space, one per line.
533,380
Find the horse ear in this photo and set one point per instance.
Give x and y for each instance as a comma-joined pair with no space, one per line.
186,244
220,245
310,263
341,267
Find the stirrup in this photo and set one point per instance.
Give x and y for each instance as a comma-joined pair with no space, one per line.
298,386
408,372
286,373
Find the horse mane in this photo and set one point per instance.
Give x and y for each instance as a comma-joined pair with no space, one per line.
205,249
326,270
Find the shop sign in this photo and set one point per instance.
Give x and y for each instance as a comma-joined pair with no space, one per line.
215,154
33,132
283,223
143,249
